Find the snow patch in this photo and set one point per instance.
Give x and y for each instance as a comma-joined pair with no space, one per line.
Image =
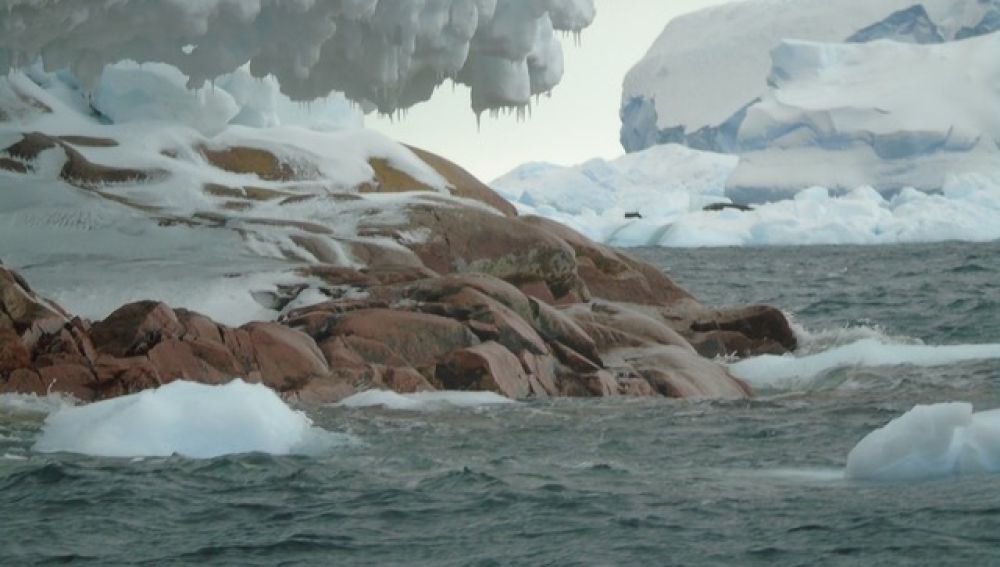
189,419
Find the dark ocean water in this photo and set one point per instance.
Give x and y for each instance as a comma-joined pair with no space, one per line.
576,482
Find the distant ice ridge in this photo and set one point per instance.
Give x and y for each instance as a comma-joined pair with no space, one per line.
669,186
189,419
385,54
929,442
889,94
423,401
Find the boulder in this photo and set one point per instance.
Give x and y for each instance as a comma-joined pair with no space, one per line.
287,359
13,354
419,338
135,328
485,367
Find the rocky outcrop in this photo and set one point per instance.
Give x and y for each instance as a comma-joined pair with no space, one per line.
467,331
456,291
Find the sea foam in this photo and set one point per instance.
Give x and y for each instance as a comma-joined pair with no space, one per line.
929,441
790,371
423,401
186,418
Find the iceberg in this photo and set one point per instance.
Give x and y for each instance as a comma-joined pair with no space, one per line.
889,94
929,442
189,419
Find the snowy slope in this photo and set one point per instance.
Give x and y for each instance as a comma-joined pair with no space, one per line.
384,53
190,225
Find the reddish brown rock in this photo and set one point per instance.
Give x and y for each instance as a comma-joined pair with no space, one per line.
474,240
464,184
13,354
614,275
680,373
23,381
405,380
763,325
287,358
420,338
197,360
135,328
73,379
485,367
23,309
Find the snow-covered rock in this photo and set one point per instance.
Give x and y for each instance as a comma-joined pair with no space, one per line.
839,94
384,53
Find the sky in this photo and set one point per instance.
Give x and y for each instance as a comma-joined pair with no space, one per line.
579,121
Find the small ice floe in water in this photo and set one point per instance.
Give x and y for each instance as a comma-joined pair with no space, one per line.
422,401
189,419
788,371
929,442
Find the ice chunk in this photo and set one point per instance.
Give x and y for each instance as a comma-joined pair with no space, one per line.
186,418
929,441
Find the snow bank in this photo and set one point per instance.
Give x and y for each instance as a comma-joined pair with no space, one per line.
384,53
669,186
791,371
929,442
423,401
186,418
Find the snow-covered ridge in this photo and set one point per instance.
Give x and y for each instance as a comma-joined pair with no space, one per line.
384,53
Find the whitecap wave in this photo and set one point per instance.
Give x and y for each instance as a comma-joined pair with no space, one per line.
189,419
423,401
929,441
798,371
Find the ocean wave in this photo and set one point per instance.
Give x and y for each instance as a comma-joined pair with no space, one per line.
423,401
795,371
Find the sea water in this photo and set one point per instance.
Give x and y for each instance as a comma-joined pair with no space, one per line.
461,479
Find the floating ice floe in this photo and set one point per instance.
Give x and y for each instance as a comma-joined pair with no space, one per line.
929,441
189,419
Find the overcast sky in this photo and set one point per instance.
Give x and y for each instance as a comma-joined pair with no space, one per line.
578,122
